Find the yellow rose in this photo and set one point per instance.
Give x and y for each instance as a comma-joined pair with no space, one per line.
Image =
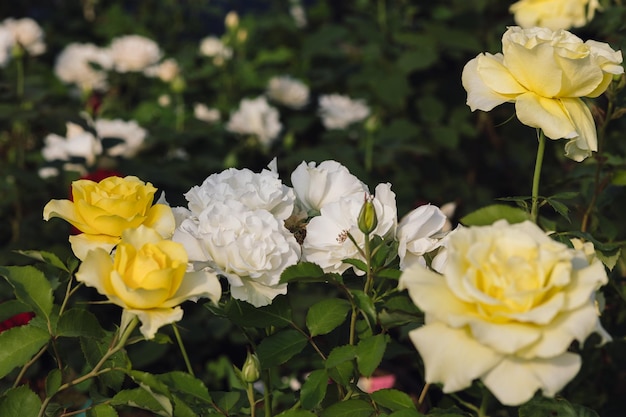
147,277
545,74
103,210
507,308
554,14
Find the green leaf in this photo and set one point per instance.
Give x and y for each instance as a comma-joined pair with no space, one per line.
541,407
406,412
18,345
366,305
12,308
357,263
392,399
47,257
139,398
370,352
326,315
148,380
305,272
389,273
19,402
609,259
296,413
314,389
226,401
94,350
488,215
349,408
186,384
280,347
339,355
53,382
277,314
181,409
102,410
559,208
342,373
78,322
31,287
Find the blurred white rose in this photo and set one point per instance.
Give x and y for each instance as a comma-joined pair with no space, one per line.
213,47
288,91
134,53
338,112
78,143
27,33
554,14
166,70
6,45
255,117
130,132
327,243
206,114
419,233
298,14
263,190
328,182
74,66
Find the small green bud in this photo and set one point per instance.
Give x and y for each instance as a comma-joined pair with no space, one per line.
367,217
251,370
178,84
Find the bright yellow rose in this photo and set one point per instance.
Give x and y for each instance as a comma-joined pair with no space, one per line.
554,14
509,304
147,277
103,210
545,74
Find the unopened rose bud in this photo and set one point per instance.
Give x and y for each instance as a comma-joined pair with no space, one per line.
232,20
251,370
367,217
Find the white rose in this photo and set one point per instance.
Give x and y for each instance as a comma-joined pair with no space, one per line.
255,117
509,304
6,45
212,46
262,190
130,132
418,233
134,53
77,143
251,248
166,71
204,113
554,14
327,243
288,91
27,33
339,112
73,66
316,186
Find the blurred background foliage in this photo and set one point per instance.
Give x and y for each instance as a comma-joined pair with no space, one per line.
403,57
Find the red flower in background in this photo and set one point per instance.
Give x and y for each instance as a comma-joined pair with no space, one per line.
15,321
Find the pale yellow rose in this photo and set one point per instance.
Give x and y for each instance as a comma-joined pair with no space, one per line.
147,276
545,74
103,211
507,308
554,14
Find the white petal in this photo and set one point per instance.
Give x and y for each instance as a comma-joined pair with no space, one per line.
479,95
504,338
257,294
546,114
152,320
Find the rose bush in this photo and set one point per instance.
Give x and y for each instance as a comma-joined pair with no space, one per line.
508,306
545,74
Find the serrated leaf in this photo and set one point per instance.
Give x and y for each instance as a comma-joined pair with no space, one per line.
366,305
102,410
226,401
181,409
139,398
149,380
349,408
326,315
392,399
559,208
280,347
370,352
610,259
540,407
186,384
339,355
31,287
78,322
343,373
19,345
314,388
277,314
389,273
488,215
303,271
357,263
53,382
94,350
47,257
19,402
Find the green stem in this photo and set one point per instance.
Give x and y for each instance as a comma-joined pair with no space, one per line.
19,62
251,401
369,280
267,398
183,351
180,113
537,174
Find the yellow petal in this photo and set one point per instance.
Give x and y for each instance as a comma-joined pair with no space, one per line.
96,270
546,114
586,141
83,243
534,68
479,95
66,210
196,285
161,218
137,299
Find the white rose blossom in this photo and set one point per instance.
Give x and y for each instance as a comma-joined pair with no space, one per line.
27,33
203,112
74,66
166,70
506,310
130,132
77,143
134,53
419,232
213,47
6,45
327,243
255,117
316,186
339,112
288,91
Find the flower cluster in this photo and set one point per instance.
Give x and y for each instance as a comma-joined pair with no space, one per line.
17,35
